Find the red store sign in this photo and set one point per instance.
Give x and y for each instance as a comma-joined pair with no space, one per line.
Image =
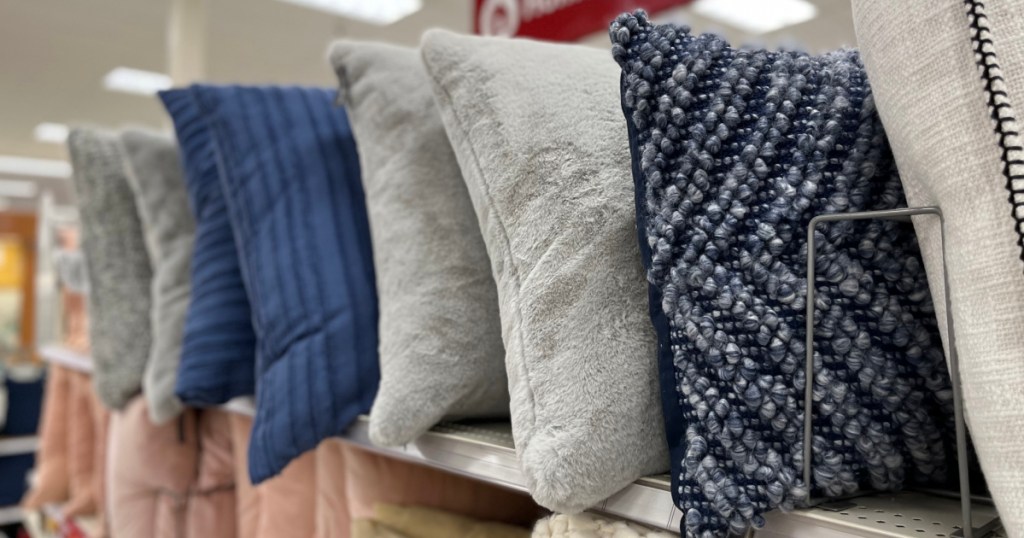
556,20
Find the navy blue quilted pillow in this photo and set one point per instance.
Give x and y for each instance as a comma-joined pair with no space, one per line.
218,355
734,152
290,173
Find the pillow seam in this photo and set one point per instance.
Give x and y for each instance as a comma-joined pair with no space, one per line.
508,245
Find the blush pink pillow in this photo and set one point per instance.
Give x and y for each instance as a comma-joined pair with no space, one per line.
284,505
52,483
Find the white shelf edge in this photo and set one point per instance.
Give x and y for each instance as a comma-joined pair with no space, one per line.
22,444
57,354
485,452
243,405
10,514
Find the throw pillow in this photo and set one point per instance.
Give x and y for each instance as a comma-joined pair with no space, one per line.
154,173
440,334
538,136
290,175
734,152
947,78
118,266
218,349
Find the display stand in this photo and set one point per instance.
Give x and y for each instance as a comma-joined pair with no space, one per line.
968,529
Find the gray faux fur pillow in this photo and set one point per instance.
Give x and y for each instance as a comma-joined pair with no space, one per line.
154,173
118,266
538,132
440,333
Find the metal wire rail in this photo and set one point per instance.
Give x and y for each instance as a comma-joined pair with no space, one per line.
967,529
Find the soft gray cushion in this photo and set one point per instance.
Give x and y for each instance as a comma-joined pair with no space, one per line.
934,99
440,333
154,173
539,135
118,266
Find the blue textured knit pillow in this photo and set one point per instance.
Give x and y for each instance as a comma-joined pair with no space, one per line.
290,173
218,355
734,151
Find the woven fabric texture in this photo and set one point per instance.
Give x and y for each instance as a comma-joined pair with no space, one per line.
218,348
290,176
734,152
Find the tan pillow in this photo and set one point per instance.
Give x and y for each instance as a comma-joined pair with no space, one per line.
418,522
372,479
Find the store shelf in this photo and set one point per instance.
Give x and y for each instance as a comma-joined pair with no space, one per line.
10,514
63,356
485,451
14,446
243,405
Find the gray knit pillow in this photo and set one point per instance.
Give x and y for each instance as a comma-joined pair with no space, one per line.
118,266
154,173
440,334
539,135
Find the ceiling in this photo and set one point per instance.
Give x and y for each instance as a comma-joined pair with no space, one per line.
54,53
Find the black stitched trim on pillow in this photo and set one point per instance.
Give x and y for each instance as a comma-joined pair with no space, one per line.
1003,119
735,151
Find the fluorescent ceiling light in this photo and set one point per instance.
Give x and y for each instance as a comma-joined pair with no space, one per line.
757,16
128,80
53,133
379,12
15,188
24,166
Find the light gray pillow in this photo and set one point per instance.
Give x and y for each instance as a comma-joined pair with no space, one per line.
934,93
440,333
539,135
154,172
117,266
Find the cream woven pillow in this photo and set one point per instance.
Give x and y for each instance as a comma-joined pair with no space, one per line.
935,95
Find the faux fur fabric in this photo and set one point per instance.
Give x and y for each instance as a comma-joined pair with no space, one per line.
539,137
154,172
118,266
440,333
734,152
948,78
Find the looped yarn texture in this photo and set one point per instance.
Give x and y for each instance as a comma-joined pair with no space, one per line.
734,152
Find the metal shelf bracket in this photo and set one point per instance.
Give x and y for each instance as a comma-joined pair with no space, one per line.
967,530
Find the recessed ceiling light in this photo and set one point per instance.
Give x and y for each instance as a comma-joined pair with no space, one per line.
379,12
25,166
128,80
53,133
757,16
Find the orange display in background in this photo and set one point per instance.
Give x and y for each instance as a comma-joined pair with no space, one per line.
17,292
